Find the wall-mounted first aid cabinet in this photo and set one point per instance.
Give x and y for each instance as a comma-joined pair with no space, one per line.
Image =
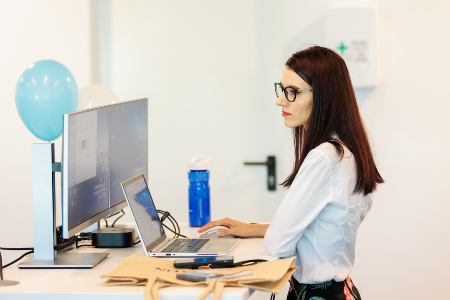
352,32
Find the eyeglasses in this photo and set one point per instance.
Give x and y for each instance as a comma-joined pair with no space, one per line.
289,92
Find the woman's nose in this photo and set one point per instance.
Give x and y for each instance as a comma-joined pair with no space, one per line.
281,101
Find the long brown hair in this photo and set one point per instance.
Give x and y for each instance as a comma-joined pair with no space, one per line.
335,110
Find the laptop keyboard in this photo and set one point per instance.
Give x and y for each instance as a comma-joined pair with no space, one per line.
185,245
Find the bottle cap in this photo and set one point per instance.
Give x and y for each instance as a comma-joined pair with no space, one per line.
199,163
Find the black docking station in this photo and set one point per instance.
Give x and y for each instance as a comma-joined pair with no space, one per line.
113,237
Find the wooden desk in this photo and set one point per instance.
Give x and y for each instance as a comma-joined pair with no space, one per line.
87,284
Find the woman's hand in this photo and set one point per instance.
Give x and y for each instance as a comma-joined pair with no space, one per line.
237,228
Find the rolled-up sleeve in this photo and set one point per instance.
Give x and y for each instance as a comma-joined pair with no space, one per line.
307,197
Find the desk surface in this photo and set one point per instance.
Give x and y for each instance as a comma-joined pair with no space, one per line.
87,284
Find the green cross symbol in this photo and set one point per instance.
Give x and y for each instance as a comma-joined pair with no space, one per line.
342,47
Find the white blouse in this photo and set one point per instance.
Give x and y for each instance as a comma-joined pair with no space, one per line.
318,219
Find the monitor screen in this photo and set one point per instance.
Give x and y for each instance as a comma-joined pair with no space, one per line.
88,165
144,211
128,145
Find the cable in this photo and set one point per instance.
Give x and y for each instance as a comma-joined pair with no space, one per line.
114,214
176,228
174,223
79,246
175,234
166,214
14,261
67,249
62,244
14,249
244,263
59,237
69,243
123,214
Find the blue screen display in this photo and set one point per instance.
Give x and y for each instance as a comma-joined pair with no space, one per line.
144,211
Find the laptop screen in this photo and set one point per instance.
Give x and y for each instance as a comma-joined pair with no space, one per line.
143,210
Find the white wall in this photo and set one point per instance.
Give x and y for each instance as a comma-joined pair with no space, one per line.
32,31
208,70
403,246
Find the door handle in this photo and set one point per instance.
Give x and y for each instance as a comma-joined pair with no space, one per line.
271,175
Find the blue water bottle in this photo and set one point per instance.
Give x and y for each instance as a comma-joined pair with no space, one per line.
199,208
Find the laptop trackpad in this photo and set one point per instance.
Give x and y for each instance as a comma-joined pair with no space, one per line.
216,247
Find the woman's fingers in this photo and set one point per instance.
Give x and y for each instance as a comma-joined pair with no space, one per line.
206,227
223,232
222,222
238,230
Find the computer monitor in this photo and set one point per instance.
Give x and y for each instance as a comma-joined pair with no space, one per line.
85,169
128,147
102,147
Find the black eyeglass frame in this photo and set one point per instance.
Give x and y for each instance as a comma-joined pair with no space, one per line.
283,89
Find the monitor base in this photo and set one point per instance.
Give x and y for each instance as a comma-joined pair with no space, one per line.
65,261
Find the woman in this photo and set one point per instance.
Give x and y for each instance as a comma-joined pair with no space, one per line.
330,187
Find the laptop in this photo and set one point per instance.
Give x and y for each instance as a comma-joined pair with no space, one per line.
151,231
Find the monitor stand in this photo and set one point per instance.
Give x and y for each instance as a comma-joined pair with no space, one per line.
44,224
65,261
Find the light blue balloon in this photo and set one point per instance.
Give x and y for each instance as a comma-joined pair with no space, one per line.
45,91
